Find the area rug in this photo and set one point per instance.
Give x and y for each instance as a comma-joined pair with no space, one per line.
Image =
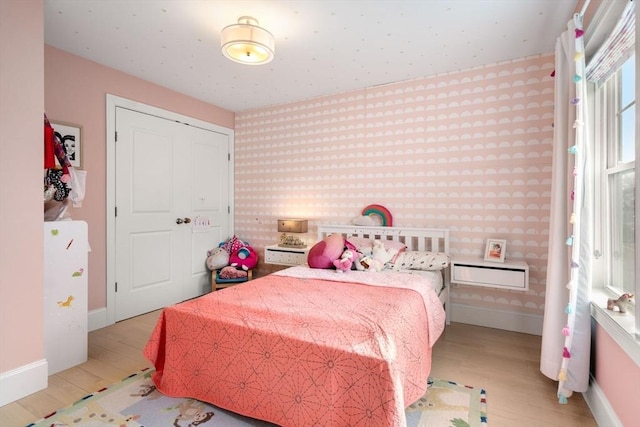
135,402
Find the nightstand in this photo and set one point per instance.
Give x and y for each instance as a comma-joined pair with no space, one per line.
279,255
478,272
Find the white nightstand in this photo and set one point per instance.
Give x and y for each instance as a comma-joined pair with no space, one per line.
279,255
478,272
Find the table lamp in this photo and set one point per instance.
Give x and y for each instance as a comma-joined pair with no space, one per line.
292,226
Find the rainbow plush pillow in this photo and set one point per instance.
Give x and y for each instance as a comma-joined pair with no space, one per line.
323,253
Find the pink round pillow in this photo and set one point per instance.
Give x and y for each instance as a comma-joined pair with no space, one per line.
323,253
245,258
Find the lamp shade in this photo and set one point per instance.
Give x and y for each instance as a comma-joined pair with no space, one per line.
292,225
247,43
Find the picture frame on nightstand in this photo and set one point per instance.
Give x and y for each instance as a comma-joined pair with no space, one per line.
495,250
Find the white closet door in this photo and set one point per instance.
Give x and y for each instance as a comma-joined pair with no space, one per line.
170,179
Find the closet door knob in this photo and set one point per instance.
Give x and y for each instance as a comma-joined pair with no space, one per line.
179,221
187,220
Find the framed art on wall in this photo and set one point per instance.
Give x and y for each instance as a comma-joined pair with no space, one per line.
495,250
71,137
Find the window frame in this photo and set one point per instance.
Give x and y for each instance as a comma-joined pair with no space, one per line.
612,166
604,99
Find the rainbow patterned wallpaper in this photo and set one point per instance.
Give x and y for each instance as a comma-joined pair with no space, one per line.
468,150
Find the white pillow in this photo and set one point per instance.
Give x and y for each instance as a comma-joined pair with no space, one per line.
419,260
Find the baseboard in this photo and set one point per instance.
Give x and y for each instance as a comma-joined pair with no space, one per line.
599,405
97,319
23,381
517,322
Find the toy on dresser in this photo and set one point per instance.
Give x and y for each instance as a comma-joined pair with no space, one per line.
621,303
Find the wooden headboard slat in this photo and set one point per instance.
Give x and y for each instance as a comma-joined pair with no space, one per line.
416,239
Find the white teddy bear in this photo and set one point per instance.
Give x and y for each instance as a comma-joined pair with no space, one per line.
381,254
376,258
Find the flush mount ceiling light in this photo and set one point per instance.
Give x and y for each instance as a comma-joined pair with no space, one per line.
247,43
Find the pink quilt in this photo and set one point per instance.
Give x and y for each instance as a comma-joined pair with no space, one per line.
302,351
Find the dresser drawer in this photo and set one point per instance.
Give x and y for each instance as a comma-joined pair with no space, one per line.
506,276
285,256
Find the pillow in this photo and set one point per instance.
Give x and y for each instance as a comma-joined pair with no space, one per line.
232,245
418,260
393,244
363,244
232,273
390,245
323,253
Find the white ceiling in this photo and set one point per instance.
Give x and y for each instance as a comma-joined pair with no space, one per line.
322,47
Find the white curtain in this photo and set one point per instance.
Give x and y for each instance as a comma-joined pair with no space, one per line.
567,326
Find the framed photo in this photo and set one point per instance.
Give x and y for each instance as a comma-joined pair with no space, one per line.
71,137
495,250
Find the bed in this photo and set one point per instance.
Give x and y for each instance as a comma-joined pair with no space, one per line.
435,240
305,346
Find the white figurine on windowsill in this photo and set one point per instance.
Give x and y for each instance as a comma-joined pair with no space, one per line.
621,303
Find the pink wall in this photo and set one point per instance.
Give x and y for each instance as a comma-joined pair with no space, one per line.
618,376
21,162
468,150
75,92
324,158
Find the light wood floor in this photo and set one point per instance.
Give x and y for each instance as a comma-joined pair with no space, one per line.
505,363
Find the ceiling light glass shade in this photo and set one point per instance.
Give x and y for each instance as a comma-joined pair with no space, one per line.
247,43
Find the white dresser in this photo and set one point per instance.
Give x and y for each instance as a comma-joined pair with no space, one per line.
66,250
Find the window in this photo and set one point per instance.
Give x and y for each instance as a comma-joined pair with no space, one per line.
615,144
619,174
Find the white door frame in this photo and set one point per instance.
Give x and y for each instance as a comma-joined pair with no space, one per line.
112,103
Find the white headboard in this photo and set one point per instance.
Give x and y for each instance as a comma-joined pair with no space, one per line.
416,239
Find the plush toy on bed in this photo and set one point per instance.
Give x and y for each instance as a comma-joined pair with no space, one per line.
376,258
369,263
345,261
323,253
381,254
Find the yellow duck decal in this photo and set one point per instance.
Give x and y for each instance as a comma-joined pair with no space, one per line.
66,303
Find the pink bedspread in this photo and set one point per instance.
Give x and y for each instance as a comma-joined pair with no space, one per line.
302,351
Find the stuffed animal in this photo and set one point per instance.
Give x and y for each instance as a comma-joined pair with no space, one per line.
621,303
323,253
229,272
381,254
345,261
217,258
232,245
369,263
245,258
